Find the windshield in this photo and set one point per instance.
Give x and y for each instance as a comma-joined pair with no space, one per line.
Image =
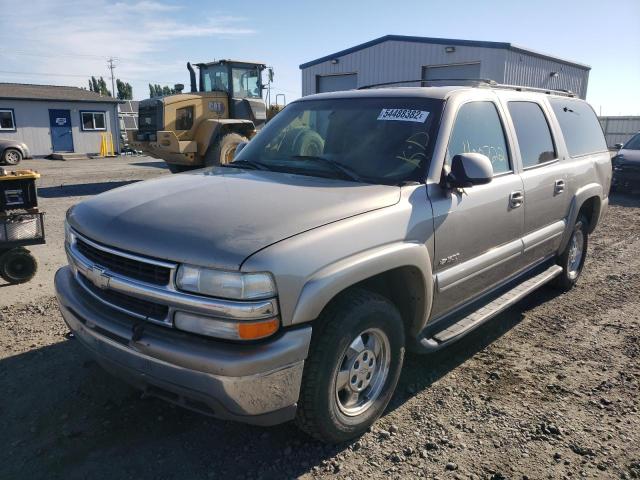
634,143
215,78
246,82
375,140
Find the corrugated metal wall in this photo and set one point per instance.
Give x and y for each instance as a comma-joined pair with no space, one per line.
532,71
394,60
399,60
619,129
32,124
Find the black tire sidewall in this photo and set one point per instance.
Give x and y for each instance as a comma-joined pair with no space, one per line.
377,314
223,145
7,261
564,280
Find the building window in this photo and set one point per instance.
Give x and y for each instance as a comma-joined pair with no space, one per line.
7,120
184,118
92,121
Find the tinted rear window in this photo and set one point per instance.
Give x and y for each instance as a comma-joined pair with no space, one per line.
532,130
580,127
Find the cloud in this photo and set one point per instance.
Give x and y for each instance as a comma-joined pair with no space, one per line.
74,38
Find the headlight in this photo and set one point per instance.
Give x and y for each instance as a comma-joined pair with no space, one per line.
223,284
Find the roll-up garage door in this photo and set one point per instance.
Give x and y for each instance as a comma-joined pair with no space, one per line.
452,72
334,83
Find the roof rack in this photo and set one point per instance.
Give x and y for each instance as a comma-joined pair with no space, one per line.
473,82
422,81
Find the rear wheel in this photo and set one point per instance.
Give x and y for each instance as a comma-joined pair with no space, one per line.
353,366
12,156
572,258
18,265
224,150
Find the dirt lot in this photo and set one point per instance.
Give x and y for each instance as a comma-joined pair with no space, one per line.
549,389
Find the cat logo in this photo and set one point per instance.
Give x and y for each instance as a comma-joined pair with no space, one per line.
217,107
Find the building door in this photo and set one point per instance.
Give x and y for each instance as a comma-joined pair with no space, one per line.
460,71
61,136
335,83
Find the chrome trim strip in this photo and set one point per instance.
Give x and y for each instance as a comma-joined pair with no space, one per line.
131,256
174,299
477,265
543,235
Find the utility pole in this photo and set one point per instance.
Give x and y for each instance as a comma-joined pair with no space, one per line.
112,65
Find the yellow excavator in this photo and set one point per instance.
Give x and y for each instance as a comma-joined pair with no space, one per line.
203,127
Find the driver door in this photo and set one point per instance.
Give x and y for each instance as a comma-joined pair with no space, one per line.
477,231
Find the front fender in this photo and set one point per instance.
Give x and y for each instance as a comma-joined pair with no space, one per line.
326,283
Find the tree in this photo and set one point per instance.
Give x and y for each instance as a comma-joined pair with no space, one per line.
125,92
156,90
99,86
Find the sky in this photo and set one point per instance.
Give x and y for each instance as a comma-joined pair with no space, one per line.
63,42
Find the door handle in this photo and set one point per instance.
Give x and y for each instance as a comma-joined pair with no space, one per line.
516,199
558,186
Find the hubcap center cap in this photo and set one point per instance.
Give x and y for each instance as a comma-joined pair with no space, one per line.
362,370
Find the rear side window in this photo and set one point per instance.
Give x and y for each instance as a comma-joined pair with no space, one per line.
580,127
478,129
534,135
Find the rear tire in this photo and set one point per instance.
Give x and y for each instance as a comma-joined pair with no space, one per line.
573,256
18,265
224,150
353,367
11,156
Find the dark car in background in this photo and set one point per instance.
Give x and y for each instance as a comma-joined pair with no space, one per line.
12,152
626,166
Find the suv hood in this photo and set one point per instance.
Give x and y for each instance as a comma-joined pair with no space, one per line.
218,217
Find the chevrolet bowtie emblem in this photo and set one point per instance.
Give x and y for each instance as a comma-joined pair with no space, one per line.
99,277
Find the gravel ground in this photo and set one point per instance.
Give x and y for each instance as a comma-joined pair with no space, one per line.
549,389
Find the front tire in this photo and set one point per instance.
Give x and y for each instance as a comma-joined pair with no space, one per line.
353,366
573,256
11,156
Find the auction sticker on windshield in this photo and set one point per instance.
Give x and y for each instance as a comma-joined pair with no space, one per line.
403,114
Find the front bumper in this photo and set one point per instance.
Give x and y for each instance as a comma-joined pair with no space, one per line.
252,383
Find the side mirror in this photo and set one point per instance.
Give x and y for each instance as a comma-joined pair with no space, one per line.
239,148
618,146
469,169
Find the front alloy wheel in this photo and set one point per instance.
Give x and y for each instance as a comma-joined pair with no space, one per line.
363,372
354,363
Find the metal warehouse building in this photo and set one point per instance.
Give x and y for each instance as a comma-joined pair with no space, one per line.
54,119
394,58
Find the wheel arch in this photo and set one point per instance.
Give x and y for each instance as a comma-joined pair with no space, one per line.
587,200
401,273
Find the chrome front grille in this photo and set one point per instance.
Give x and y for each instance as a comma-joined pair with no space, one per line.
144,287
127,266
120,301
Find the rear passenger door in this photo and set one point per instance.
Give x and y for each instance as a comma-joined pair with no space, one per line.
544,178
477,231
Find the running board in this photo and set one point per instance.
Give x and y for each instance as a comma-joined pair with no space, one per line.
474,319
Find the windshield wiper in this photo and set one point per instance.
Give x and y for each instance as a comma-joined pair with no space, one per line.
246,163
337,166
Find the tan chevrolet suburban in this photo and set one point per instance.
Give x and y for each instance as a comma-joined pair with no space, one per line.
356,225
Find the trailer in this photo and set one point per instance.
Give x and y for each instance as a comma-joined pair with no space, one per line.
21,225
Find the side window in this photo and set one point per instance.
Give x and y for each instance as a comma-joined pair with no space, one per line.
184,118
478,129
580,127
7,122
534,135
